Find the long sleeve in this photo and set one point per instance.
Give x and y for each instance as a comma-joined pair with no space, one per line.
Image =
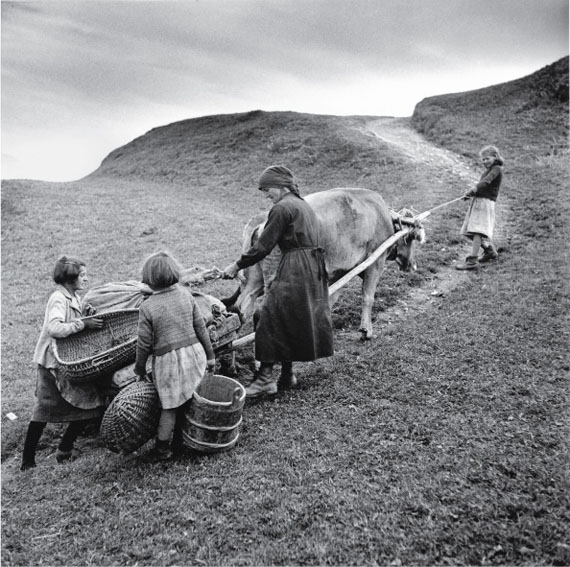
62,318
56,324
272,232
489,184
202,332
144,342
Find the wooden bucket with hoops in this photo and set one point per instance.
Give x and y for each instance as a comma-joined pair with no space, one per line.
213,416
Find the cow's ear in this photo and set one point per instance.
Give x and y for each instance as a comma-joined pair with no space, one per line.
420,234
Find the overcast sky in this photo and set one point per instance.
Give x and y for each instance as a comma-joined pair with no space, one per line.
83,77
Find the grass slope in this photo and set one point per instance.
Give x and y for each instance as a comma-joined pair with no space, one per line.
445,441
527,118
227,152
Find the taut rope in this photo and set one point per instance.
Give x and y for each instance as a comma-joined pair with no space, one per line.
426,214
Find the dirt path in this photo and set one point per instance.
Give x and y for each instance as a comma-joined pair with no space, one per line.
399,133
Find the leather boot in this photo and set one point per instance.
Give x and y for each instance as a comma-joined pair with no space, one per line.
264,384
160,452
471,263
287,379
489,253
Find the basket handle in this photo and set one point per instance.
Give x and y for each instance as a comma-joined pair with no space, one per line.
101,359
237,394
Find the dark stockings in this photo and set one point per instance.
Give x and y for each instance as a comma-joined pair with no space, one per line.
35,430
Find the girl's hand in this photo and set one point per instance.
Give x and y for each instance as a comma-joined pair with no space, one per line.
211,364
141,372
96,323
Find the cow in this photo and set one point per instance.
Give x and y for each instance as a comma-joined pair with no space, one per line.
354,222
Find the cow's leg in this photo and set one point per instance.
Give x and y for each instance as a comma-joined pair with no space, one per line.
370,279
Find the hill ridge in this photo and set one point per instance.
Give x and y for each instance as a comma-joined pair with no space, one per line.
229,146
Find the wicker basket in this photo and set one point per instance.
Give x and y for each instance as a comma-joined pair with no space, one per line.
91,353
131,418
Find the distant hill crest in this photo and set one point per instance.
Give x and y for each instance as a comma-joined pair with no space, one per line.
231,146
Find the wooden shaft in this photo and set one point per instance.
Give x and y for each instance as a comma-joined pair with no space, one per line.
247,339
370,260
242,341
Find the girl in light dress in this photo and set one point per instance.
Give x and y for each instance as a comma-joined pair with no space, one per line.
172,330
480,218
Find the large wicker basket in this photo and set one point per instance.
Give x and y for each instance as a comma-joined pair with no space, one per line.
91,353
131,418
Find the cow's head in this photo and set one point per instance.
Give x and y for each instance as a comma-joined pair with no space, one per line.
253,280
403,252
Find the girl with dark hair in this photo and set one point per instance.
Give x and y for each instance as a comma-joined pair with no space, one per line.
56,399
172,330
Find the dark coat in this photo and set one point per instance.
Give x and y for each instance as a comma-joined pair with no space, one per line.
295,322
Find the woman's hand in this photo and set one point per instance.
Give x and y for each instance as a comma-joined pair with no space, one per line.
230,271
93,323
211,364
89,310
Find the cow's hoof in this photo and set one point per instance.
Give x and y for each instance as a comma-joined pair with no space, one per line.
366,335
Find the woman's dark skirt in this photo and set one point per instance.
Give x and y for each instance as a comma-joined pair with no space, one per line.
51,407
295,322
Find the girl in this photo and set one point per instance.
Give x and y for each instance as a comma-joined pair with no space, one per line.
172,329
480,219
56,399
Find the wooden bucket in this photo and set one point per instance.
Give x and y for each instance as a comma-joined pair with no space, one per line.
214,414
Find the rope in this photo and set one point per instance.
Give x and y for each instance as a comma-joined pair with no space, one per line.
426,214
242,341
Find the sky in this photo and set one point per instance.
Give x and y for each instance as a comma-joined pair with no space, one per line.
81,78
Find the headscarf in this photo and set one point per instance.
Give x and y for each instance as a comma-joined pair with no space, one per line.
278,176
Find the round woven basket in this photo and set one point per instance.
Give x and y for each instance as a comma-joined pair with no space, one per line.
131,418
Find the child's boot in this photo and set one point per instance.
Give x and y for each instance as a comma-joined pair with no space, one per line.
471,263
33,435
489,253
161,451
62,456
27,464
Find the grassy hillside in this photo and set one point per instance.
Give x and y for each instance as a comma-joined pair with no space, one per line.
227,152
444,441
528,117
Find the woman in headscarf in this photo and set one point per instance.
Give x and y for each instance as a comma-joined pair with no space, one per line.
295,322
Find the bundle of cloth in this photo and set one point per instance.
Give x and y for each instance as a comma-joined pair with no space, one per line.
130,295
